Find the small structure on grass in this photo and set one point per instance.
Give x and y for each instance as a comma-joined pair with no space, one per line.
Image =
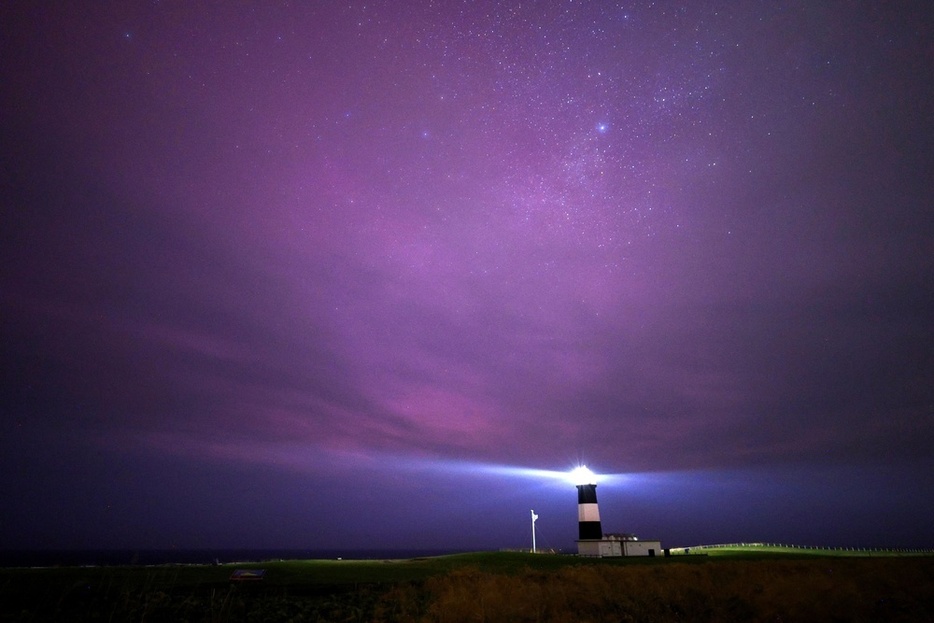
247,575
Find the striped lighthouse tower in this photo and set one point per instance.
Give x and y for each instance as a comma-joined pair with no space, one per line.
588,513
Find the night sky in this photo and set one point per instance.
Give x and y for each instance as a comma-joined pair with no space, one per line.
344,275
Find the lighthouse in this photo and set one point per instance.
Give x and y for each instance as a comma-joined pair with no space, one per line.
588,513
591,541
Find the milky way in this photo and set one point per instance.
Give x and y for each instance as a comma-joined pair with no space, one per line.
256,260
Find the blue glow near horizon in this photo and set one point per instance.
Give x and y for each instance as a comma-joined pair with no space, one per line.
557,477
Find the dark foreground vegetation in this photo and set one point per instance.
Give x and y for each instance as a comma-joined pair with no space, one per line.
490,587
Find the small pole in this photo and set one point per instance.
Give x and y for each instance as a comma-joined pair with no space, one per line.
534,517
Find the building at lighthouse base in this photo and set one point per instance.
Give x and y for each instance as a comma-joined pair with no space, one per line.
612,545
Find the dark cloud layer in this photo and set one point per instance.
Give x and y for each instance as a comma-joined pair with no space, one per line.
307,265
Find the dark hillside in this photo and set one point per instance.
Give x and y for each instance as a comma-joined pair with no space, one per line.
486,587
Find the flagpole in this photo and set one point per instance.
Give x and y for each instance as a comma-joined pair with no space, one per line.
534,517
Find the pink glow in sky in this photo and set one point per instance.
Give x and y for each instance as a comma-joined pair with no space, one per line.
257,257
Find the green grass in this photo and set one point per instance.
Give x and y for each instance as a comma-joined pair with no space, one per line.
354,572
313,572
736,582
747,550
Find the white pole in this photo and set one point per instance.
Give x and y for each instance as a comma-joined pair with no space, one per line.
534,517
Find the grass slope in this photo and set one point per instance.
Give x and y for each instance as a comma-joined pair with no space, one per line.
772,549
738,583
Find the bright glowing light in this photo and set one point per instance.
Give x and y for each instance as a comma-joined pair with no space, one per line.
579,475
582,476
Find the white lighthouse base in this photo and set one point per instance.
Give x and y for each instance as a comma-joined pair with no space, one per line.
608,548
601,548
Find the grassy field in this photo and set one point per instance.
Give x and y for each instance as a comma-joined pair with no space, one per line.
774,549
746,582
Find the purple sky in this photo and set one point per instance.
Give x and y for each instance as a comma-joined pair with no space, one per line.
315,275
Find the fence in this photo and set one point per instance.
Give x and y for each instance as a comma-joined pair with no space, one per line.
855,550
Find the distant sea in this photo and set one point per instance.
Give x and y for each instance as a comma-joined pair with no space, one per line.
108,557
